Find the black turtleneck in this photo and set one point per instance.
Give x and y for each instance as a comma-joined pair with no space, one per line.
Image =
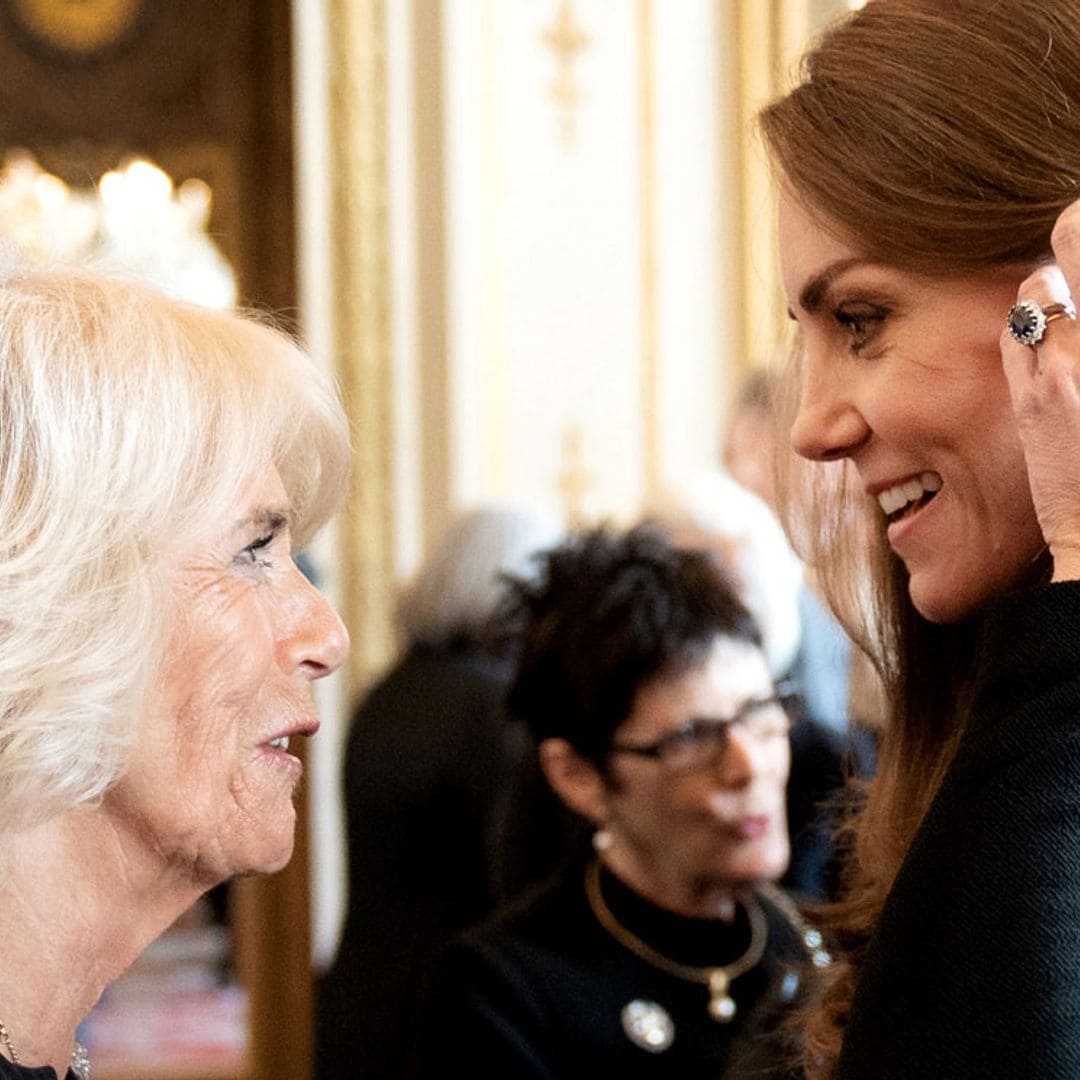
8,1071
542,989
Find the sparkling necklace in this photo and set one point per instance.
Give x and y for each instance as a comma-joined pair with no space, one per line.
812,940
722,1006
80,1057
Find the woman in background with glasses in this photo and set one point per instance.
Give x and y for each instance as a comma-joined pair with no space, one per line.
665,950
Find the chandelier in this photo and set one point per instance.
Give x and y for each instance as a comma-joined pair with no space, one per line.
135,220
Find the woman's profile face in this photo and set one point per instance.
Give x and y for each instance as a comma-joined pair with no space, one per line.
211,784
902,375
684,833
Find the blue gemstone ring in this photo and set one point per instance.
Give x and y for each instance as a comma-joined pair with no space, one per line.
1028,320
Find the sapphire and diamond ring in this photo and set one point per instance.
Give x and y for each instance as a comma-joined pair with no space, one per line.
1028,320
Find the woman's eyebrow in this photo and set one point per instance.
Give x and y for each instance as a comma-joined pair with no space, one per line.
813,292
269,518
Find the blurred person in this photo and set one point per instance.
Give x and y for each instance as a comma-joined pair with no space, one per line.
754,436
712,512
428,758
755,448
158,462
665,951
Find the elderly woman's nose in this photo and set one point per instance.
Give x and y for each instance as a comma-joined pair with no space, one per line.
828,425
739,763
316,642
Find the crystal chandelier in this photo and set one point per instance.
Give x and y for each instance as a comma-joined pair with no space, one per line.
136,220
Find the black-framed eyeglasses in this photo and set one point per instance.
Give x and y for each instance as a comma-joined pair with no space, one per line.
704,741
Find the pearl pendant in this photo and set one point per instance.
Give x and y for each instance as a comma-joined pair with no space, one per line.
721,1004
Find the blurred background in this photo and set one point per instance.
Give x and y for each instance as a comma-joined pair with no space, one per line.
533,239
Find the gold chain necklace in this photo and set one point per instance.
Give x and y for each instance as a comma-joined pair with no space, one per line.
721,1004
80,1058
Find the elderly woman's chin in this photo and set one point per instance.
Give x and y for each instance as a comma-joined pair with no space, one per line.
255,842
271,854
205,837
262,844
764,859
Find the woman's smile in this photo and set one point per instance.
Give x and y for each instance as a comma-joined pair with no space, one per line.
902,376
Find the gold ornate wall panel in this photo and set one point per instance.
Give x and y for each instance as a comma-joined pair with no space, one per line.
771,36
361,281
433,375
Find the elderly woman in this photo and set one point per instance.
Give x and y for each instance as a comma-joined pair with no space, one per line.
666,952
930,240
158,463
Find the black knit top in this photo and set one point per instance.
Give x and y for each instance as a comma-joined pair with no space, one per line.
544,990
974,971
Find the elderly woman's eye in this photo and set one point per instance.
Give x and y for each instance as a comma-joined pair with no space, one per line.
252,553
702,737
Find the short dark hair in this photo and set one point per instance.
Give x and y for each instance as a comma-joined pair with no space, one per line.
608,612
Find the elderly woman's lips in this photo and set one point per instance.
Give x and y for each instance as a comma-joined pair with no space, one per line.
280,741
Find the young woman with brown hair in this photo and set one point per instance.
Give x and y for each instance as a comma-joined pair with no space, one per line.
930,165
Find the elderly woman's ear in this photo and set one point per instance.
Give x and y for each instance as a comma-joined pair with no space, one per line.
574,779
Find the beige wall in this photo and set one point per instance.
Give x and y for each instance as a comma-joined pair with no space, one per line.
537,245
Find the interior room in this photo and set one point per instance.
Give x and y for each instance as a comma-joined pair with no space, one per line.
534,242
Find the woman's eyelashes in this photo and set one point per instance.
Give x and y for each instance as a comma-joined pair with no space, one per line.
256,553
262,550
860,322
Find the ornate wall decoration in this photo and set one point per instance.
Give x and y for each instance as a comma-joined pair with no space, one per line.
770,36
566,39
361,261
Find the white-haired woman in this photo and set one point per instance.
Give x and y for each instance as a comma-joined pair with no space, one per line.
158,463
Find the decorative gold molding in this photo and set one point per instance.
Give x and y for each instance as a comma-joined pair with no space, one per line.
360,259
754,83
769,36
430,210
565,38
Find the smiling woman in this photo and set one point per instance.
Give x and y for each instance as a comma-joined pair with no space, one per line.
930,165
157,464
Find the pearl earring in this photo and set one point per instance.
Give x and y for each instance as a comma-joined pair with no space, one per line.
602,840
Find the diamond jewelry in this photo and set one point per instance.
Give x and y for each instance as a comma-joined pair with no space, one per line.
648,1025
813,942
80,1057
1028,320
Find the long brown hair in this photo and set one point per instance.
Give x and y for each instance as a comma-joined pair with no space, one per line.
942,139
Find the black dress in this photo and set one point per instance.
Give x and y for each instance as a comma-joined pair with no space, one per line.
544,991
426,759
974,970
8,1071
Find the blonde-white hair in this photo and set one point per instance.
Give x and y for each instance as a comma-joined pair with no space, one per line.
128,422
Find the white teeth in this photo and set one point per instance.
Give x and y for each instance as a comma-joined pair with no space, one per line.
281,743
896,498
